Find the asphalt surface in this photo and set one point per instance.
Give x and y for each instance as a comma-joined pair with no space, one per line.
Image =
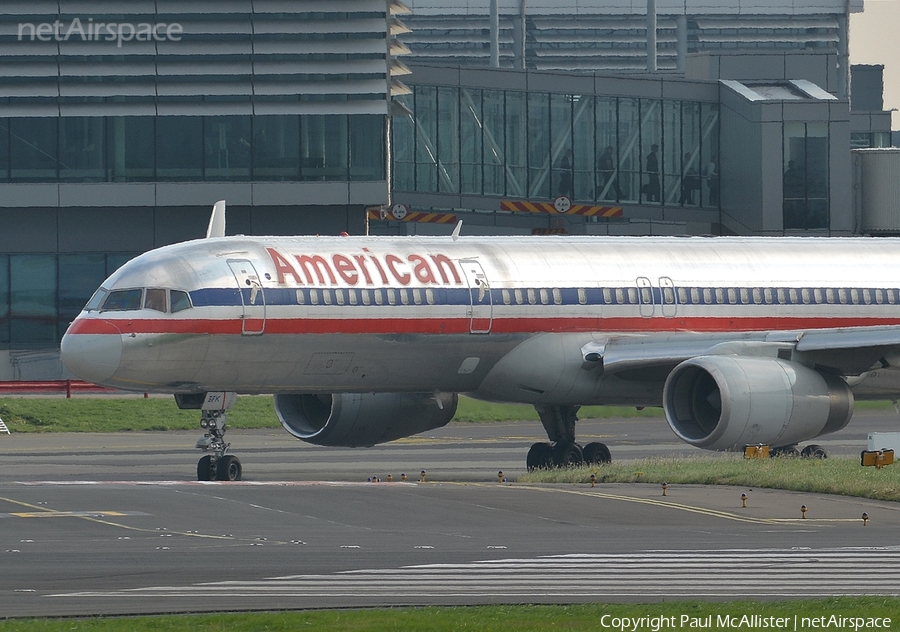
114,523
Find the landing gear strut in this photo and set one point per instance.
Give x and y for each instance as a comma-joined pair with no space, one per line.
563,450
218,465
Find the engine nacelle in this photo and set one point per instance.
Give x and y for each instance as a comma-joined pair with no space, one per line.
728,402
353,420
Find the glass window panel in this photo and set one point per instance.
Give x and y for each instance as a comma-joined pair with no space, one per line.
448,140
4,299
805,180
226,143
324,147
817,175
583,147
651,150
693,154
181,301
131,148
709,150
79,278
539,145
516,144
494,142
607,156
276,147
4,150
470,148
367,148
33,149
155,299
403,148
629,150
33,315
672,155
123,300
561,145
81,149
426,137
179,147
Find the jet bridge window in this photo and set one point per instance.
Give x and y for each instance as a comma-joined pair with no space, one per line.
123,300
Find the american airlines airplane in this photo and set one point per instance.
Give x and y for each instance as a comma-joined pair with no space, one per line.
363,340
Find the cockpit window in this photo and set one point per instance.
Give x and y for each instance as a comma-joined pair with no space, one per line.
180,301
96,300
155,299
123,300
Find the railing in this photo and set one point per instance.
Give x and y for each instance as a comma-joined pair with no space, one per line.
53,386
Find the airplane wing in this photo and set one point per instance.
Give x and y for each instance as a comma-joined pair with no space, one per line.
847,351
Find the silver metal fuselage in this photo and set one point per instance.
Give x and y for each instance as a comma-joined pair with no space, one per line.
502,318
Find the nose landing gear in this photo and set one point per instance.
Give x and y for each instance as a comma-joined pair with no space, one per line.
218,465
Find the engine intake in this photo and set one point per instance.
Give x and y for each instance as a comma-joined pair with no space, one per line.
728,402
352,420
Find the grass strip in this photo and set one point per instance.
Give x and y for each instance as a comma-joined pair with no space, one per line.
679,615
826,476
113,414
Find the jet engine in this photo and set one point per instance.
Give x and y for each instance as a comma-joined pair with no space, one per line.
352,420
728,402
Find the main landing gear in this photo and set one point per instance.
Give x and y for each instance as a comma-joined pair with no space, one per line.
218,465
563,451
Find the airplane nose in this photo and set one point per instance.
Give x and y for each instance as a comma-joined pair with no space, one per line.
92,357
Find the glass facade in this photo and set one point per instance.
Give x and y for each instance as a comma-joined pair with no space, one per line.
805,181
336,147
41,294
542,145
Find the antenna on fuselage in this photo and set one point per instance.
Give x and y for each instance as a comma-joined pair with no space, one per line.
456,230
216,226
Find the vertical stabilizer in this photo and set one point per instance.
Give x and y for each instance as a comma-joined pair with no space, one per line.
216,226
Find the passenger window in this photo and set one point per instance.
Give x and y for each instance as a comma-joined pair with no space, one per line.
682,296
180,301
327,297
768,296
404,297
745,296
720,296
817,296
829,296
354,299
707,296
429,296
339,296
695,296
781,296
301,299
391,296
582,296
379,297
732,296
366,297
646,296
879,296
867,296
557,296
607,296
792,293
417,296
123,300
532,297
545,297
854,296
314,297
520,300
631,293
504,294
842,296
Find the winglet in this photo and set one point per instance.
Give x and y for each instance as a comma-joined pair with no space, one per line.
456,230
216,226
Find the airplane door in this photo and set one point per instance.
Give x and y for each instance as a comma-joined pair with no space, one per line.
253,297
481,307
668,296
645,297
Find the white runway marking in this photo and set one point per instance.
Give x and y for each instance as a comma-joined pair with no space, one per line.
734,573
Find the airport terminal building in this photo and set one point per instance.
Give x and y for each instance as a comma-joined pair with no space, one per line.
122,123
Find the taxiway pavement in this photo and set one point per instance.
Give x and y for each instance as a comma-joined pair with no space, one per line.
106,524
